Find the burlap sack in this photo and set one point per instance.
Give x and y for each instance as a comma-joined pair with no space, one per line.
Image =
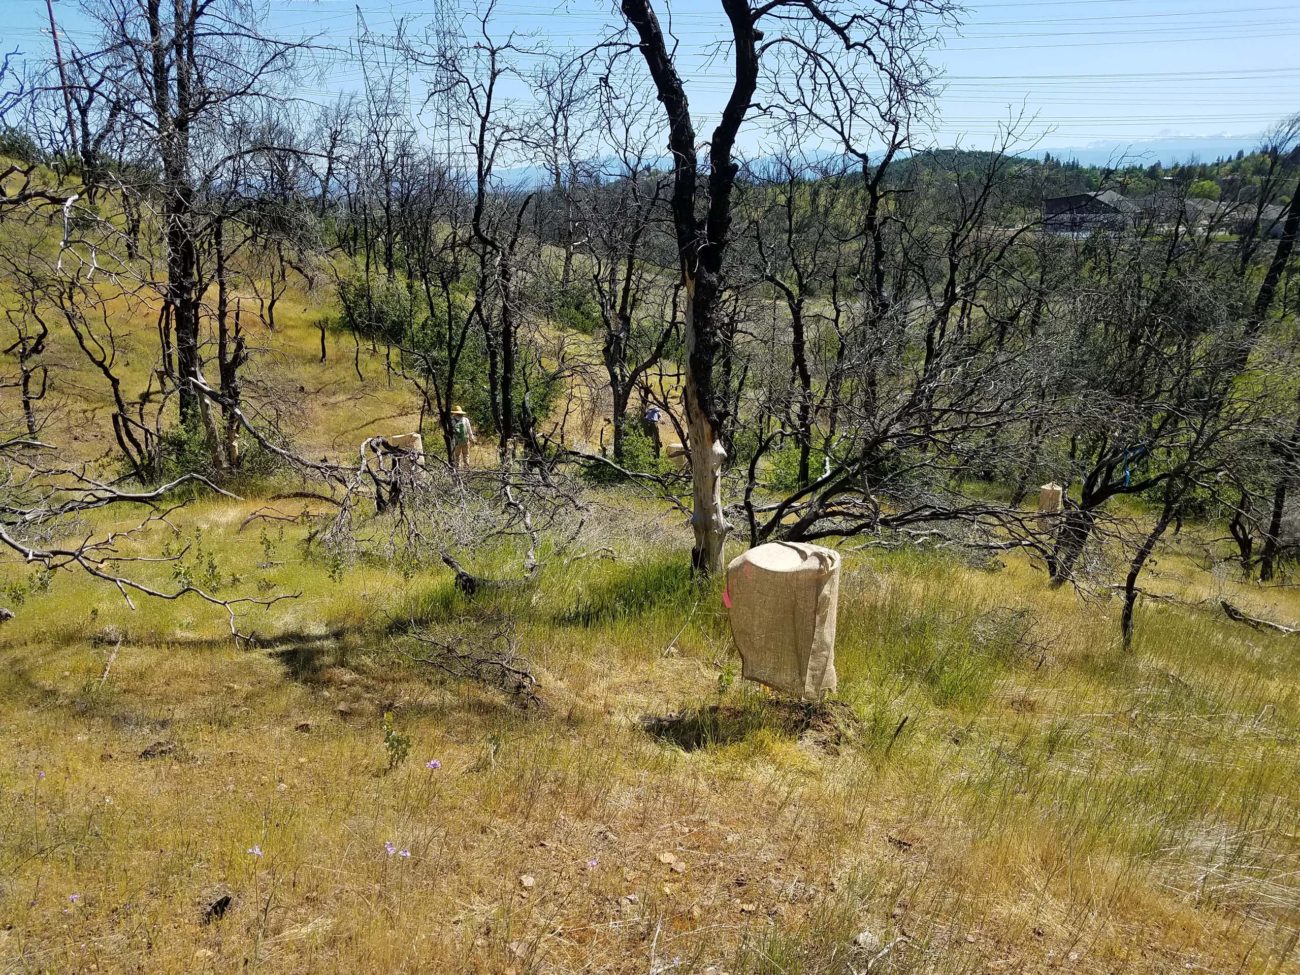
408,441
783,598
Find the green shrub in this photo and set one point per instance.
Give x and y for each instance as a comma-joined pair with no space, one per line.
783,469
376,308
639,450
638,455
184,449
576,309
20,147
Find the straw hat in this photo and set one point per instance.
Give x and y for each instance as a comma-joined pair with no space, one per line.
457,411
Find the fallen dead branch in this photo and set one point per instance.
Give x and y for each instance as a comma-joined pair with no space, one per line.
1229,610
40,502
1233,613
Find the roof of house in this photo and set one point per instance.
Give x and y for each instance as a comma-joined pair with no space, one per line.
1116,200
1109,198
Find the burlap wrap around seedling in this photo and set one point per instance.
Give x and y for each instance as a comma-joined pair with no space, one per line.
1051,499
783,598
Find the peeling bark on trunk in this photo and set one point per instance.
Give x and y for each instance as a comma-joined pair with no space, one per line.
702,245
708,519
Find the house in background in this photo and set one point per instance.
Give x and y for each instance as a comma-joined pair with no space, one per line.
1082,213
1272,220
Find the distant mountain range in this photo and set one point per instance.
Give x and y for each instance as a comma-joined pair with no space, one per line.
1144,152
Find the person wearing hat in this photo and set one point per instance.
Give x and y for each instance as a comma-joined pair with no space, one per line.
462,435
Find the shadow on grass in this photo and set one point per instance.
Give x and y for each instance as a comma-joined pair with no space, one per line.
90,698
304,657
827,725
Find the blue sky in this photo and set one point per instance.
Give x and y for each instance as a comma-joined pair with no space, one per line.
1092,71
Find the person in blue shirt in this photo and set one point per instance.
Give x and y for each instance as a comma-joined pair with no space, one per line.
650,424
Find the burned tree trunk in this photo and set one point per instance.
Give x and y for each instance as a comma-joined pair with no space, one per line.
702,247
1288,460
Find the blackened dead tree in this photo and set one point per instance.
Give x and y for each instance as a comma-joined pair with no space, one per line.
27,316
177,75
916,396
438,258
1207,441
1286,455
475,75
797,236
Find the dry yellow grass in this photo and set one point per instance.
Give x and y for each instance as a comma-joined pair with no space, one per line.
1050,803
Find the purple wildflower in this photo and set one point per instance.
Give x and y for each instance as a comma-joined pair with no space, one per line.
40,774
433,764
255,850
405,853
389,848
593,863
73,898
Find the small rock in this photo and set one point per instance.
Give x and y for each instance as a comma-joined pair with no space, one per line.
748,908
527,882
867,939
159,749
303,726
631,899
679,866
217,909
203,954
667,857
303,931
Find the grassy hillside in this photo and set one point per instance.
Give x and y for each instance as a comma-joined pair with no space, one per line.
323,406
1001,785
